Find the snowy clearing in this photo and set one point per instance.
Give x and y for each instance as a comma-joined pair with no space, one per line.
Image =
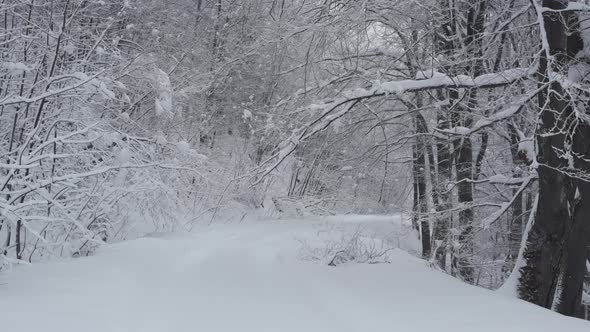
270,276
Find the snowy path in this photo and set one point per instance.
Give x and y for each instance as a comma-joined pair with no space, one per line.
252,278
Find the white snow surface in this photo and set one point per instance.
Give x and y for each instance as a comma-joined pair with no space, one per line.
259,277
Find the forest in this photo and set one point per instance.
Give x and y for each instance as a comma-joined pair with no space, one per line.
465,121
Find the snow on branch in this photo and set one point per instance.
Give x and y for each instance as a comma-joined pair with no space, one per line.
82,80
288,146
462,81
504,180
571,7
495,118
335,109
487,222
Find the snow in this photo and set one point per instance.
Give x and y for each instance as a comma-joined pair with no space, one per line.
108,94
160,138
123,156
464,131
440,81
163,101
100,50
162,108
584,32
527,146
247,115
258,277
502,179
429,73
571,6
183,147
15,67
125,116
510,286
498,178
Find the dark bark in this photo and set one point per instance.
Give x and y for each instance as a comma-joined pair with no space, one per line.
17,239
445,45
461,116
416,199
538,281
516,220
481,154
443,221
7,240
555,254
577,240
421,151
455,46
463,166
420,186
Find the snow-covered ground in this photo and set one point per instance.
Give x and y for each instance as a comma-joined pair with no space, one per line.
270,276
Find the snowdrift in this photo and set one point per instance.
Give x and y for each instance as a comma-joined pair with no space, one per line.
269,276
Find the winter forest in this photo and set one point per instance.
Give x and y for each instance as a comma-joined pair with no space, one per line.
401,165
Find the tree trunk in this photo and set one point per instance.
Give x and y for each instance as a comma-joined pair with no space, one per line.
443,208
461,116
416,199
517,217
420,185
555,261
444,43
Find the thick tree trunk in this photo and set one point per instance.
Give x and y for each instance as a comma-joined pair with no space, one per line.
555,254
443,221
461,116
517,216
445,45
464,170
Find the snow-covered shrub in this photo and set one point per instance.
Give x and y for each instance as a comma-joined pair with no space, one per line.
349,247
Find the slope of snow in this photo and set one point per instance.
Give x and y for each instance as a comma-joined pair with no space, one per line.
258,277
